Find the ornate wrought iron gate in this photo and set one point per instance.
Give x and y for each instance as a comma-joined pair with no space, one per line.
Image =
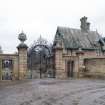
40,60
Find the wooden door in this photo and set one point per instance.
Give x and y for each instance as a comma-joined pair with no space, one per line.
70,67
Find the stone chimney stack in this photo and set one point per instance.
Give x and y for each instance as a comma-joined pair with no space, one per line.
85,26
88,26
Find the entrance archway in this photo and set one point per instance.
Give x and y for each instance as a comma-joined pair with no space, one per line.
40,59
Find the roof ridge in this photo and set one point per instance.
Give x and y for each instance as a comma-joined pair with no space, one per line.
65,27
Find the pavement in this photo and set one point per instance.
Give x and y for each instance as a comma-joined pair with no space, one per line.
53,92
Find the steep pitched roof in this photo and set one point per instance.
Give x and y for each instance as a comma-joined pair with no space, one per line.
75,38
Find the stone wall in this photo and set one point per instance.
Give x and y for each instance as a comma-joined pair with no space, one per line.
87,63
14,58
95,67
60,72
19,64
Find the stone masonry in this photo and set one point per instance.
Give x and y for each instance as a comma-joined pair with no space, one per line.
22,62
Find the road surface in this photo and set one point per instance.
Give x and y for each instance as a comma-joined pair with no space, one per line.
53,92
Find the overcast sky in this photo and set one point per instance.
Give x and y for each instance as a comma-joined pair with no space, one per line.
37,17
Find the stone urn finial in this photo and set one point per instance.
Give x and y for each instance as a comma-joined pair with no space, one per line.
22,37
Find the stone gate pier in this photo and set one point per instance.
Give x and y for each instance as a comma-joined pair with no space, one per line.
14,66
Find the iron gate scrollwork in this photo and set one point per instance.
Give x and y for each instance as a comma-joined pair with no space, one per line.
40,59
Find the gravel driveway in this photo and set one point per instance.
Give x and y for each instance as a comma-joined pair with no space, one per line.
53,92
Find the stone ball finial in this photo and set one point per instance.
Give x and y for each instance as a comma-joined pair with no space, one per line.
22,37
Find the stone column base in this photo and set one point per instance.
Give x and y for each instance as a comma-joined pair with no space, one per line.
22,75
60,74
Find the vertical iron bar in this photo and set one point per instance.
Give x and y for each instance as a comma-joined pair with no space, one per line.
40,66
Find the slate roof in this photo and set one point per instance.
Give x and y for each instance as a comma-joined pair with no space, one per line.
75,38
